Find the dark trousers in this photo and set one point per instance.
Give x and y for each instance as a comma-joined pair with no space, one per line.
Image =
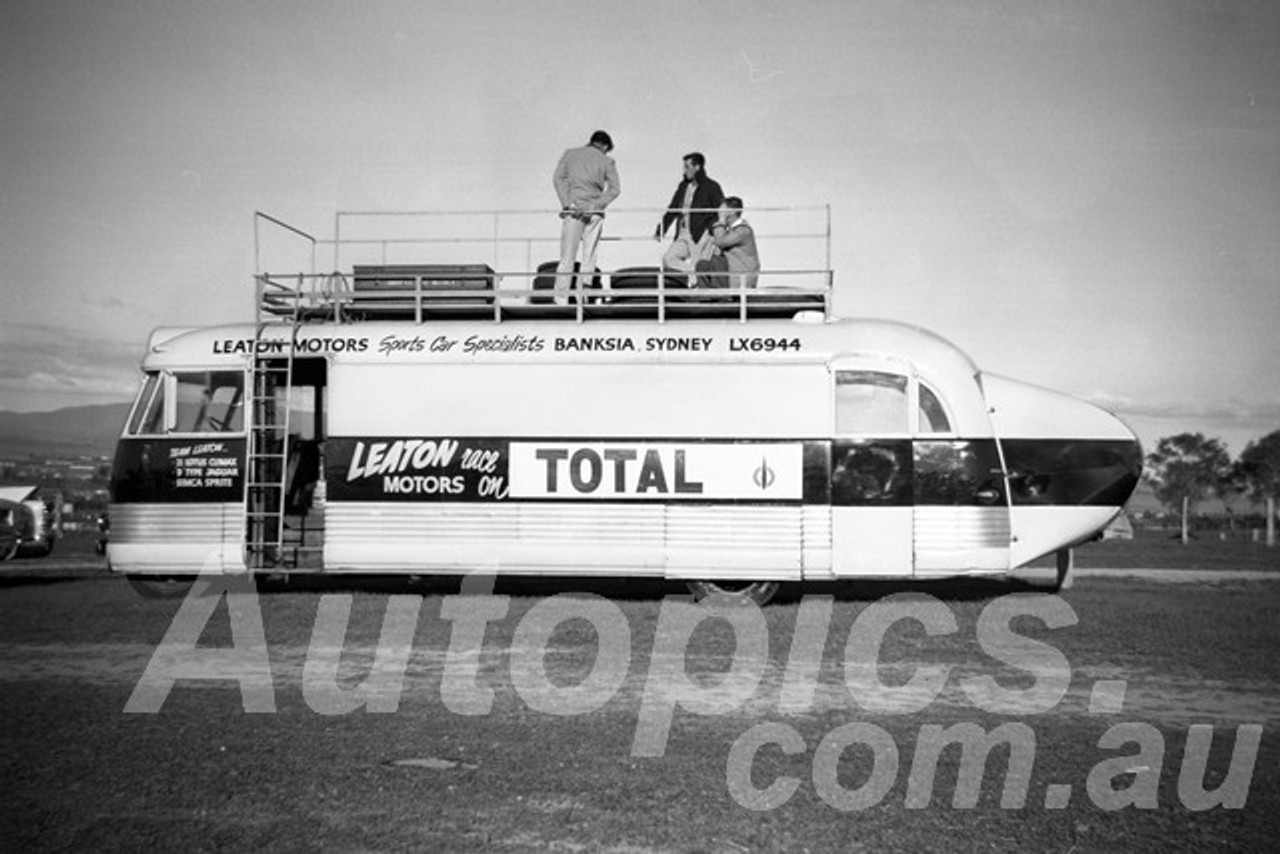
713,272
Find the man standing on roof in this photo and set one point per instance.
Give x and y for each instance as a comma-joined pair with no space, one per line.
693,209
586,180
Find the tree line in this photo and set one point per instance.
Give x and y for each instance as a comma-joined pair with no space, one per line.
1190,467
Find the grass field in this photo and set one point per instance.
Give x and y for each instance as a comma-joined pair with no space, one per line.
1163,549
203,773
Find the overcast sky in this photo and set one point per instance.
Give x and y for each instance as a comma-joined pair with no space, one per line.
1085,195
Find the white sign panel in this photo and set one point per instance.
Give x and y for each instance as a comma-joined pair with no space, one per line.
772,471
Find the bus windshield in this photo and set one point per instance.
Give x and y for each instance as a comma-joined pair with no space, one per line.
203,402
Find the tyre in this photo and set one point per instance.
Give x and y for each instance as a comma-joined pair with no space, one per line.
10,539
546,281
759,592
646,277
161,586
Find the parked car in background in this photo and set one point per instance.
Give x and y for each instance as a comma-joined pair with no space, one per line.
29,522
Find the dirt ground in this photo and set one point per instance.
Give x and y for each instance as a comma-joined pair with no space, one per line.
255,756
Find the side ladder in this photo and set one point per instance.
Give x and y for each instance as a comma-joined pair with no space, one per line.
266,478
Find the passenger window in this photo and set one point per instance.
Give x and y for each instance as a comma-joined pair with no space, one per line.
933,418
871,402
210,402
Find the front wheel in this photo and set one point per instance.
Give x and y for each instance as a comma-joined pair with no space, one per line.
759,592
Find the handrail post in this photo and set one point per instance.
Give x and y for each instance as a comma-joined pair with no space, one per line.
337,238
338,284
496,219
662,294
827,215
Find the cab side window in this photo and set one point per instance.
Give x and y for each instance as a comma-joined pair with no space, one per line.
871,402
196,401
209,402
933,417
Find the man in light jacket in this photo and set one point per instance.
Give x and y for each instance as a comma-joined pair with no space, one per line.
586,180
735,251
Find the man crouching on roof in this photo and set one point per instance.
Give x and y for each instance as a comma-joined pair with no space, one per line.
736,263
586,180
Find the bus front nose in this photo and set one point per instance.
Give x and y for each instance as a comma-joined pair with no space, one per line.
1060,450
1071,466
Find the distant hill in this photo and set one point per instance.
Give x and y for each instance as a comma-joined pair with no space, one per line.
74,430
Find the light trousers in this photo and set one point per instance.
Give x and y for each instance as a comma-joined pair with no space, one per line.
684,253
574,232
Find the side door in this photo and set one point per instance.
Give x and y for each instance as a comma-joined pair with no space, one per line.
872,518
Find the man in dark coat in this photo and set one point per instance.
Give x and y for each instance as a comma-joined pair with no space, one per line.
693,210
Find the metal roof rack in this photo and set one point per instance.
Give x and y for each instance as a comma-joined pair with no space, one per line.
384,276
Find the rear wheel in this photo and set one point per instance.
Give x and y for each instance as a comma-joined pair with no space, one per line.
161,586
759,592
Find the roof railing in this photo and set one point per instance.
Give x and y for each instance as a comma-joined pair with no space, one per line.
404,274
